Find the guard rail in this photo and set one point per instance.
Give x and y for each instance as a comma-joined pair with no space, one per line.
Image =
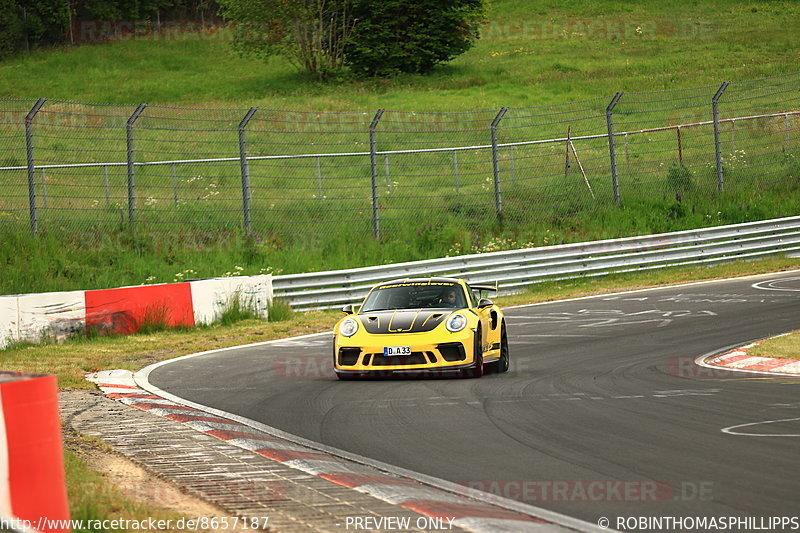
517,269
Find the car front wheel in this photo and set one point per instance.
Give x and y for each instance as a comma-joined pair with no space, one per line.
476,370
502,364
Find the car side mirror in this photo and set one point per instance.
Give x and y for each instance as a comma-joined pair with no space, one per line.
484,303
349,309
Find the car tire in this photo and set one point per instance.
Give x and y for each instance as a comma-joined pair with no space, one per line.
502,364
476,370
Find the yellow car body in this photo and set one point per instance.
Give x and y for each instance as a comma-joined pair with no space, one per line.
422,335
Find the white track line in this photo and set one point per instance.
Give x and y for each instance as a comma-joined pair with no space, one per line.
142,379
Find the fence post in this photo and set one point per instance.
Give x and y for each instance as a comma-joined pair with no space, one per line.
31,167
131,166
717,150
498,200
245,169
611,148
373,162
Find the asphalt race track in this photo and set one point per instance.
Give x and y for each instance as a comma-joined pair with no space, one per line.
603,412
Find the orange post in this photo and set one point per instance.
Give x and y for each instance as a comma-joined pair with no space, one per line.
32,480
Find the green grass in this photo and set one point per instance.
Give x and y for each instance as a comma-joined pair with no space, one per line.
56,262
533,52
280,311
75,357
236,309
783,347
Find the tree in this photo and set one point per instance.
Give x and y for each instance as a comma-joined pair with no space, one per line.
11,27
311,33
412,36
26,24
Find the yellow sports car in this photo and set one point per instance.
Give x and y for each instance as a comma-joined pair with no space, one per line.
420,326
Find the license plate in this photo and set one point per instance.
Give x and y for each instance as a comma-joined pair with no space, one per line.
397,350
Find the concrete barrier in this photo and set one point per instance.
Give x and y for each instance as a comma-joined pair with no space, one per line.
32,317
126,310
9,320
210,297
57,314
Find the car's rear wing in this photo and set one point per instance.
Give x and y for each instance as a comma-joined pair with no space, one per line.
484,287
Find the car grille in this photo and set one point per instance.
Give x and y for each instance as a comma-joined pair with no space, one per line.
452,351
416,358
348,356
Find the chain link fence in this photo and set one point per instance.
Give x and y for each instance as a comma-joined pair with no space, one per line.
72,167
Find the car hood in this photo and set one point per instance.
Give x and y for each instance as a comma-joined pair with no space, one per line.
404,320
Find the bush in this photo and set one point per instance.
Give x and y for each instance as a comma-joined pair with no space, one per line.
679,179
279,310
411,36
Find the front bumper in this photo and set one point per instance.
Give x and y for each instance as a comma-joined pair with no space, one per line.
430,352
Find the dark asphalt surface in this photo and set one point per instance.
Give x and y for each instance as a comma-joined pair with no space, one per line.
599,389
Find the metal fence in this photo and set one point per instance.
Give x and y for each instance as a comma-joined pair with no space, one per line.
517,269
97,168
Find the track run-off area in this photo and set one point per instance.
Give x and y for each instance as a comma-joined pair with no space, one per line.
603,413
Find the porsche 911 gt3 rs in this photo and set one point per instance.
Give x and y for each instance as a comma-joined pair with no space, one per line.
422,325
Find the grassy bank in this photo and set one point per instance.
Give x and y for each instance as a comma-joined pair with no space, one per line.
532,52
57,262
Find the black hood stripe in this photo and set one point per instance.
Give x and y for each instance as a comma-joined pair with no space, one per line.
404,320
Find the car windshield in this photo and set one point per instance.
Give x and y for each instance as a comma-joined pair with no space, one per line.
414,295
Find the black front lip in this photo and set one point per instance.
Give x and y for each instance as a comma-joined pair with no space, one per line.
435,370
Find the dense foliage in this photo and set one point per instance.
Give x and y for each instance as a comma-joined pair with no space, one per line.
411,36
26,24
311,33
373,37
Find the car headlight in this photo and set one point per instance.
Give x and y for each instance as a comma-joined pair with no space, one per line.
455,323
348,327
